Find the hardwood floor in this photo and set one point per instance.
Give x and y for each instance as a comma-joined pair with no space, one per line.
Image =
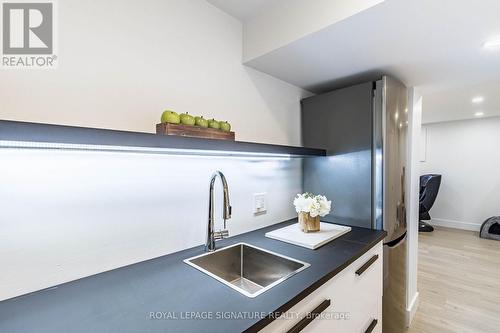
459,283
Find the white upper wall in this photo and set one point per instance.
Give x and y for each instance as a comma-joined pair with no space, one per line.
122,62
284,21
466,154
67,215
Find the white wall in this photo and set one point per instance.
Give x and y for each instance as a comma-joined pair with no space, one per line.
66,215
122,62
466,154
415,125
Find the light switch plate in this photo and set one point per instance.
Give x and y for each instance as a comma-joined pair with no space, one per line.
259,203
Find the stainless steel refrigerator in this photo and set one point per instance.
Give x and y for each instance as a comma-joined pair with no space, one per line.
364,130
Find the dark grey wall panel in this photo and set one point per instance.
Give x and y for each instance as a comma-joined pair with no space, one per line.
344,179
341,122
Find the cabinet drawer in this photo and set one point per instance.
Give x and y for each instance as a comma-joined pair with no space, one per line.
365,281
353,298
367,272
373,322
364,291
333,290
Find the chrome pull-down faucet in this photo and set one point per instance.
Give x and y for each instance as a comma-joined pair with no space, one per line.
212,235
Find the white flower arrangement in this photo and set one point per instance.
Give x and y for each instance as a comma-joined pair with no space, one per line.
313,204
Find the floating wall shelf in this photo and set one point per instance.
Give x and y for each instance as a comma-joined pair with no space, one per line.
15,134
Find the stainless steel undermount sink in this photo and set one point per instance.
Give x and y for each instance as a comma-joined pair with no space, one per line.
246,268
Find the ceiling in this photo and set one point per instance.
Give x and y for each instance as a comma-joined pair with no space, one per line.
242,9
456,103
435,46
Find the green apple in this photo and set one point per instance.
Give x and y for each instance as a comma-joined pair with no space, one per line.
225,126
169,116
200,121
187,119
212,123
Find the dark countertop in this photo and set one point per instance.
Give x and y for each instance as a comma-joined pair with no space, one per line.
121,300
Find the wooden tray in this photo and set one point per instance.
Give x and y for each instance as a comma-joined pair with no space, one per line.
193,131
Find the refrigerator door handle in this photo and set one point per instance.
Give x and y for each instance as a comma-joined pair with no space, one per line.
397,241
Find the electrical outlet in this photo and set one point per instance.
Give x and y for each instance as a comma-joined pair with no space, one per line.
259,203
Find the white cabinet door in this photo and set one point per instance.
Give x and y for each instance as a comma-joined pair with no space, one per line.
354,298
373,323
356,294
333,290
366,289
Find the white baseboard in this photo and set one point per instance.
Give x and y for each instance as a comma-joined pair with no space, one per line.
412,309
456,224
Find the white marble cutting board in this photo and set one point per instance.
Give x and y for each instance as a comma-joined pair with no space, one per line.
310,240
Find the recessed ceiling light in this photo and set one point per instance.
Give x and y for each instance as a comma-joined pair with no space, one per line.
478,99
479,114
492,44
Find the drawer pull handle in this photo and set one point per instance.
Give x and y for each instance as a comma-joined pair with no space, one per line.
310,317
367,264
372,326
